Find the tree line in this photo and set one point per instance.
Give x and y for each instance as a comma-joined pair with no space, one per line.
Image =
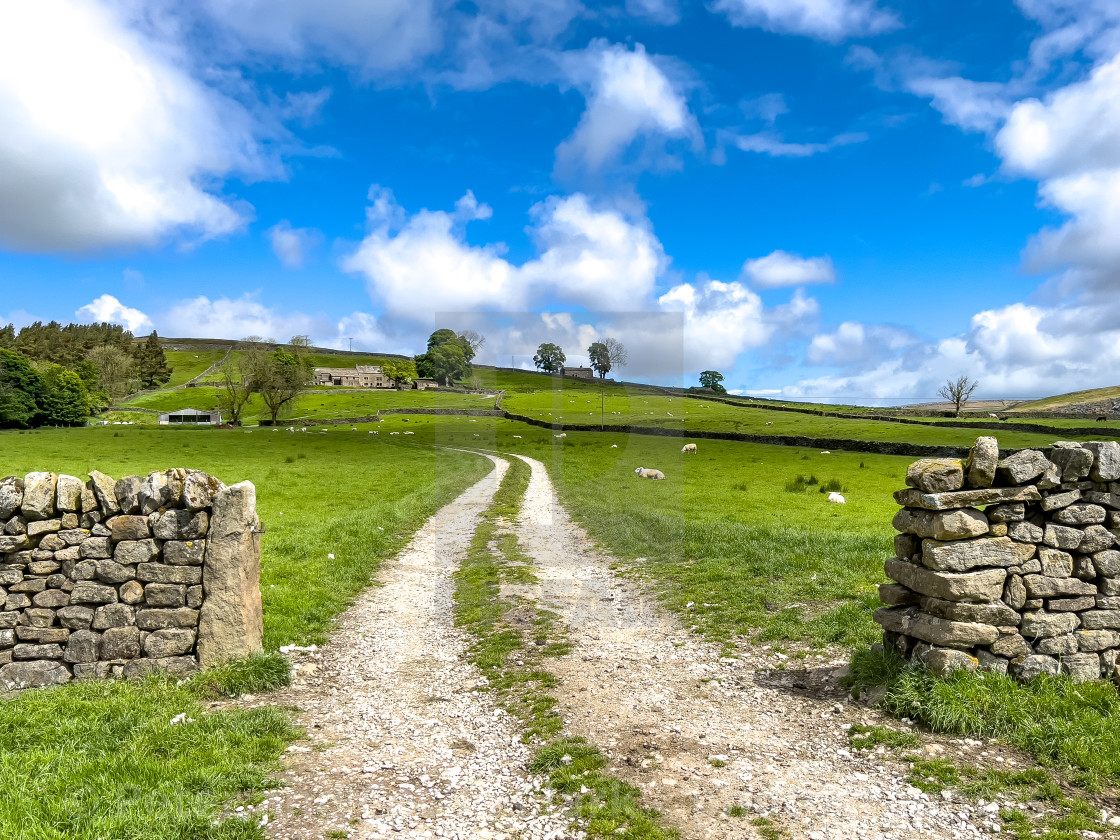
52,374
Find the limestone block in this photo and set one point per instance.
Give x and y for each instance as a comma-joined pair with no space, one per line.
97,547
232,626
1081,513
1073,460
1014,593
110,571
104,489
11,495
199,489
1058,645
1042,625
179,524
1040,586
937,631
37,674
981,587
88,592
1062,536
184,553
82,646
51,599
161,619
170,642
133,552
990,662
963,555
120,643
1084,602
12,544
132,592
1008,513
1108,500
982,462
1023,466
1056,501
1100,619
1055,563
176,666
39,496
905,546
159,573
127,491
942,525
1029,667
113,615
1082,667
936,475
161,490
68,493
75,617
36,651
130,527
1096,538
967,498
165,595
997,614
942,662
1107,563
1097,640
1106,460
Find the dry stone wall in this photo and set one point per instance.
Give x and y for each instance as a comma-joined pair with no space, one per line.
105,578
1009,563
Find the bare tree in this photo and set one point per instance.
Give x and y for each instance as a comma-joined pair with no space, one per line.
235,387
958,391
616,353
473,339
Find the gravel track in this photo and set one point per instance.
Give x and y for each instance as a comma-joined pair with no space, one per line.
669,709
402,744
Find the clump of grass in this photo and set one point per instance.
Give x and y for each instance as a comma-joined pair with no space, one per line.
255,674
97,759
833,485
1073,727
742,485
609,807
862,737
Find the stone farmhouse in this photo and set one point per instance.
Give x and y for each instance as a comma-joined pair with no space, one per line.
578,372
362,376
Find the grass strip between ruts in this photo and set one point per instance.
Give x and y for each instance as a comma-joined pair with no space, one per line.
604,806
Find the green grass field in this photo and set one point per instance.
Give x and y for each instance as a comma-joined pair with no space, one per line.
186,365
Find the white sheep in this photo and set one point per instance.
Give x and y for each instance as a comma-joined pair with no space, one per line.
644,472
769,422
688,447
517,437
394,433
614,446
825,452
561,435
412,433
836,499
994,416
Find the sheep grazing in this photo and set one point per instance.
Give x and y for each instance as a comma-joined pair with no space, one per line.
836,499
373,433
769,422
688,447
825,452
517,437
394,433
412,433
644,472
561,435
614,446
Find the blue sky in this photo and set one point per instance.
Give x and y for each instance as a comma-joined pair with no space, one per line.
836,199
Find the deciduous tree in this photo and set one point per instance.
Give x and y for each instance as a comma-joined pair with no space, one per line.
958,391
712,379
549,358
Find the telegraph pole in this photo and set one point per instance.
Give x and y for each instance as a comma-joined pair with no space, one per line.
602,409
351,340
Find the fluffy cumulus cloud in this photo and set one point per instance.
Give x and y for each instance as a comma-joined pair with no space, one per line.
828,20
589,256
629,97
107,308
773,144
290,244
107,141
781,268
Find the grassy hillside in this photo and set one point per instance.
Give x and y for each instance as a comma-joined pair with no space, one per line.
1075,398
186,365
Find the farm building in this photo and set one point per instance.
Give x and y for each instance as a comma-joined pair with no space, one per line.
362,376
190,417
579,372
425,384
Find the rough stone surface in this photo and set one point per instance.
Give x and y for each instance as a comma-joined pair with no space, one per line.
942,661
232,624
1081,513
131,527
169,642
1042,625
1082,667
1062,536
1024,466
936,475
33,675
982,462
942,525
1040,586
964,555
997,614
1106,460
1072,459
1029,667
981,587
11,496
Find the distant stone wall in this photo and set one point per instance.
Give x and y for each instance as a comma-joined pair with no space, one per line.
1009,564
105,578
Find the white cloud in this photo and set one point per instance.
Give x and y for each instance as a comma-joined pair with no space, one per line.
236,318
854,343
107,141
373,37
828,20
781,268
107,308
629,96
973,106
593,257
771,143
292,244
659,11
